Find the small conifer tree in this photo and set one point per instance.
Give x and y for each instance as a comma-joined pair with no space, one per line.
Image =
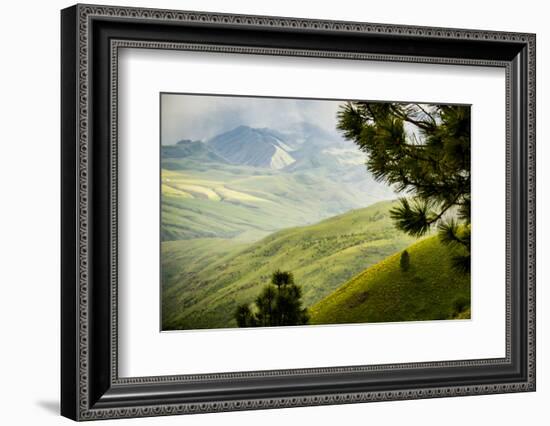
405,261
279,303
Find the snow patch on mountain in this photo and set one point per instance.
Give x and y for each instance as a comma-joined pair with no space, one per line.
281,159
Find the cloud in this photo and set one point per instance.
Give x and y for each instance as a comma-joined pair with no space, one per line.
200,117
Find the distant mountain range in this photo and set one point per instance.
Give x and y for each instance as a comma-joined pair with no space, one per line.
300,145
190,149
249,182
253,147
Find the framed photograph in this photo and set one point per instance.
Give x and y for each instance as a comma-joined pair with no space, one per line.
263,212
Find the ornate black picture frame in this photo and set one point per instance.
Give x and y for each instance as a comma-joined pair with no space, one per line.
91,387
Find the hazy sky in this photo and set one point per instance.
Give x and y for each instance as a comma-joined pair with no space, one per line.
200,117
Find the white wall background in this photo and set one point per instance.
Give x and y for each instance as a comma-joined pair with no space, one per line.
29,212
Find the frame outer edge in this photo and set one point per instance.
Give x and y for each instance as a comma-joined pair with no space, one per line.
531,200
83,229
69,283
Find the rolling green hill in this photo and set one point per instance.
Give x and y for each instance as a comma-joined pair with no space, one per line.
428,290
205,279
218,200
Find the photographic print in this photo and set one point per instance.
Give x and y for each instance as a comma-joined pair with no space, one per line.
302,212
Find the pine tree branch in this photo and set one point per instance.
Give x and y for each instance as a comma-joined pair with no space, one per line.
371,112
424,125
427,113
441,213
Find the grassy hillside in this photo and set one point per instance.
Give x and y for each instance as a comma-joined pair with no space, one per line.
202,199
205,279
429,290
